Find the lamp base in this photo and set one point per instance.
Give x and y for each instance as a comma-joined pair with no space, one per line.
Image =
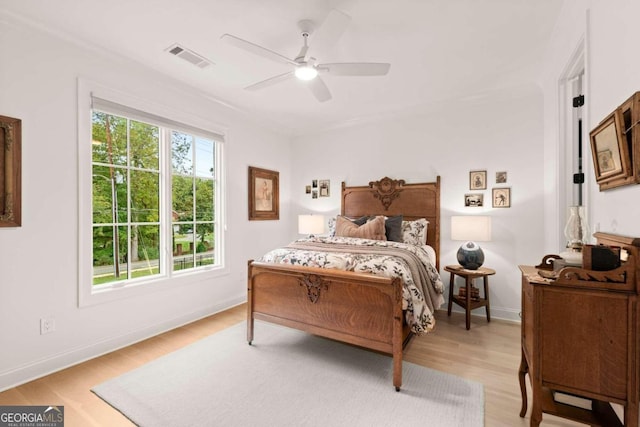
470,256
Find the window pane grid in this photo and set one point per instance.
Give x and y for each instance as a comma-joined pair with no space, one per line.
139,240
128,202
193,169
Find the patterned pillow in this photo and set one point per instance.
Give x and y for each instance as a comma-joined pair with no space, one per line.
371,230
332,226
415,232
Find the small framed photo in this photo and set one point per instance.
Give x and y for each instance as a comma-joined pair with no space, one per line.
314,194
474,200
307,189
501,177
324,186
478,180
501,197
314,183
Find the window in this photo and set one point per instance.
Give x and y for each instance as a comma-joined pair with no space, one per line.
193,195
156,204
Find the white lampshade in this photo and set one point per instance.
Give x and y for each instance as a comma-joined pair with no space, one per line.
471,228
310,224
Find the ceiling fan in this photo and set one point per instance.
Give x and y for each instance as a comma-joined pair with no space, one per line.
305,66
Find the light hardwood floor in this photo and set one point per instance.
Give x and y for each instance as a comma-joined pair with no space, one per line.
488,353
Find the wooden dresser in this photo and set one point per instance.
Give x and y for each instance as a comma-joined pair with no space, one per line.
580,333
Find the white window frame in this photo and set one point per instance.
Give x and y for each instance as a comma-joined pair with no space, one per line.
91,295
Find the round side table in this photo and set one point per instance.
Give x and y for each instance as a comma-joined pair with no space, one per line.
467,301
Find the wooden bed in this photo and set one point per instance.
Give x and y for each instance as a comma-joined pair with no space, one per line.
356,308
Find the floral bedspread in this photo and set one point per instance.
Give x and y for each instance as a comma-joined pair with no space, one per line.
422,287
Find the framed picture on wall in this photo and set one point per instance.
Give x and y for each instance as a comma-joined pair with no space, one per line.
324,186
474,200
10,172
263,194
609,149
501,197
478,180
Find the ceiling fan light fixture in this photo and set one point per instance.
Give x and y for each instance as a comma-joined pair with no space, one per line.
306,72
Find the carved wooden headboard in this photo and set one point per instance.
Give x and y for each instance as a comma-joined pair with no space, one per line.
391,197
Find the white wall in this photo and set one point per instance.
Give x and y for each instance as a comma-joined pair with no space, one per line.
501,131
39,261
614,76
606,29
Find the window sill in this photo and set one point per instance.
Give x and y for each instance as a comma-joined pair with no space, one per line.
88,296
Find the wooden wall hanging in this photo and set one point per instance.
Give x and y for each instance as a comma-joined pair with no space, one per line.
615,146
10,172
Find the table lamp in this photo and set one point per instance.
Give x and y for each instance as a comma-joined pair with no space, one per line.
471,229
310,224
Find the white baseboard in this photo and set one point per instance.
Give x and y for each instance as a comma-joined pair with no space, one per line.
56,362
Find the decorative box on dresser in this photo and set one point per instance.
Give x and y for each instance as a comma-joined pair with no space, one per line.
580,333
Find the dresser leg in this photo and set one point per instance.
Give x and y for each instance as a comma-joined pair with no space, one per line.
631,414
535,422
522,373
536,406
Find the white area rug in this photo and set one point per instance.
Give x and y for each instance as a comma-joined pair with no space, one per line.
288,378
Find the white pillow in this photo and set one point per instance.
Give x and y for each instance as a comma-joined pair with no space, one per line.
431,252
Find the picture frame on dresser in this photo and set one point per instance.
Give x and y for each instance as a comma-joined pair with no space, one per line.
264,197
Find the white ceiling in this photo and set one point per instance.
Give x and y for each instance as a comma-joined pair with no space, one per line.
438,49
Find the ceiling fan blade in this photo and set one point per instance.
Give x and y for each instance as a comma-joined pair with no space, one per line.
330,30
255,49
319,89
270,81
356,68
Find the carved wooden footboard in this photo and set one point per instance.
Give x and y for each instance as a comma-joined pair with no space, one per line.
355,308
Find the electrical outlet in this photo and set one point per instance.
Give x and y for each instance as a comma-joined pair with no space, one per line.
47,325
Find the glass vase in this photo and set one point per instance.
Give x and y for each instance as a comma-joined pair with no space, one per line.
576,231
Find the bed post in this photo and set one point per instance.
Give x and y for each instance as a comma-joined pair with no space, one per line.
397,339
249,303
437,240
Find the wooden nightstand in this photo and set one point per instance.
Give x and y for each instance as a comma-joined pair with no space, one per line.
468,302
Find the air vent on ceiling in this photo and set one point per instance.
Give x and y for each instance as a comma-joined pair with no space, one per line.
189,56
